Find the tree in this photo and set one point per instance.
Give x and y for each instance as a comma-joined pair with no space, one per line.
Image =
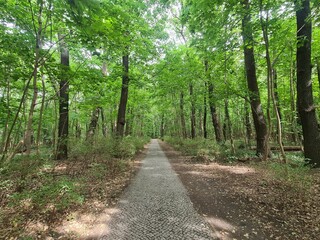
124,96
306,108
254,94
63,128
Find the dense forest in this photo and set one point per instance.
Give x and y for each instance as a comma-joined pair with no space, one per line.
81,77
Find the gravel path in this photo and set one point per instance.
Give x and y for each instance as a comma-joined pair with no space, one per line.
156,206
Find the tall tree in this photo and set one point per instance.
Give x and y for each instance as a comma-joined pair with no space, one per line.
193,112
213,110
306,108
121,120
63,127
254,94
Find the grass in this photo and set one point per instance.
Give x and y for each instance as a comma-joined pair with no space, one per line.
37,188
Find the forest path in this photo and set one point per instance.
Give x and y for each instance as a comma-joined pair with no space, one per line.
156,205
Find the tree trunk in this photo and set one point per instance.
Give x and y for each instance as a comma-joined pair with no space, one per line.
294,135
182,119
276,92
29,128
63,124
162,129
41,112
228,126
272,83
205,112
306,108
318,71
121,120
193,113
93,123
255,102
213,110
129,122
104,125
247,124
6,126
78,130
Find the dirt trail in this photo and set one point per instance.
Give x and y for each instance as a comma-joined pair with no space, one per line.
234,202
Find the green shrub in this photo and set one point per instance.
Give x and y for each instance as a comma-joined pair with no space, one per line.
58,194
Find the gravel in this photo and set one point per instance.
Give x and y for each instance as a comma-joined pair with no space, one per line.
156,206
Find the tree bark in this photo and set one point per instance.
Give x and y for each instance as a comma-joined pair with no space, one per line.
63,124
121,120
162,128
78,130
294,135
276,92
29,128
228,126
205,112
128,130
41,111
213,110
93,123
318,71
247,124
6,126
193,113
182,119
255,102
103,120
306,108
272,84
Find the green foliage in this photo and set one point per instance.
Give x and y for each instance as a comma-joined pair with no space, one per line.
296,174
196,147
52,195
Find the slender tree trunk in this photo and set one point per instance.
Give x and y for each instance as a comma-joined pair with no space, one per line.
29,128
213,110
229,133
248,124
41,112
93,123
276,92
162,128
121,120
193,113
205,112
306,108
228,127
63,124
6,126
318,71
294,135
78,130
103,120
182,119
129,122
256,107
271,83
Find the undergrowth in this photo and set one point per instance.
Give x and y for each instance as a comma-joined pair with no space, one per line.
38,189
295,174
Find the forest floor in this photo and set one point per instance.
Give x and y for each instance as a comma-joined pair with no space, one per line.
244,201
101,190
239,200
